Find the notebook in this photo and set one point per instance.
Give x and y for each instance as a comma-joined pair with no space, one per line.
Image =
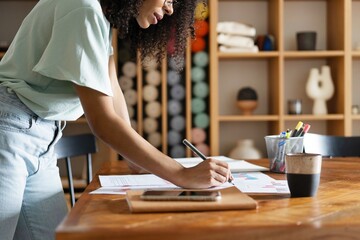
231,199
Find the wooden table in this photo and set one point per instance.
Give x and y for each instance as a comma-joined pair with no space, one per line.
333,214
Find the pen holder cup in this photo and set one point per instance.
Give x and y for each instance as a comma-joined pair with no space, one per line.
277,147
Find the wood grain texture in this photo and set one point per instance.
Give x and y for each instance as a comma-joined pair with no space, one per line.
333,214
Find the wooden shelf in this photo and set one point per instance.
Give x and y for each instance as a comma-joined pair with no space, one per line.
2,54
356,54
310,117
283,76
239,118
356,117
269,54
313,54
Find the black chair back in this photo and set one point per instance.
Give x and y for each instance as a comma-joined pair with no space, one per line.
332,146
73,146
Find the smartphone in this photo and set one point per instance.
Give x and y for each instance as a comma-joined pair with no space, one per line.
183,195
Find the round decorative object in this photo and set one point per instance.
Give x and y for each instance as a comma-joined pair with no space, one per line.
129,69
153,109
154,139
198,135
204,148
201,59
177,151
177,123
247,100
174,107
201,28
201,90
247,106
150,64
245,149
126,83
153,77
150,93
174,138
198,105
173,77
130,96
177,92
150,125
201,120
198,44
173,64
247,93
197,74
201,11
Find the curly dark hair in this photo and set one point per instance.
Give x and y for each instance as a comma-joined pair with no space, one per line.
154,40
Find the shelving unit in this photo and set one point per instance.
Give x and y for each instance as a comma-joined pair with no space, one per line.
277,75
281,75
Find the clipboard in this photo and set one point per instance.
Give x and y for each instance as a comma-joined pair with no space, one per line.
231,199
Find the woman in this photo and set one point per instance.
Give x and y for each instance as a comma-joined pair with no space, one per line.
60,66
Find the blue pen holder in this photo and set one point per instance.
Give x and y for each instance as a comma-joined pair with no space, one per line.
277,147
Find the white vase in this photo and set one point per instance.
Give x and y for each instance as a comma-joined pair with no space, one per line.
320,88
245,149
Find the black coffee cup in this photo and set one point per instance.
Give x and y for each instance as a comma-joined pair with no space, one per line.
306,41
303,173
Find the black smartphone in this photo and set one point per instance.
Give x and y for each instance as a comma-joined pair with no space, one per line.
183,195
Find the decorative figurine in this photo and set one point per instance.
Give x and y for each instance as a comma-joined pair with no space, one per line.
320,88
247,100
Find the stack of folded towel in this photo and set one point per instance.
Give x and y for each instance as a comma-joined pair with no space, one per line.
236,37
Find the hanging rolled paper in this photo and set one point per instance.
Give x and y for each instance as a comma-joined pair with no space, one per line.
174,107
174,138
198,74
126,83
201,89
150,93
153,77
129,69
198,105
153,109
178,123
150,125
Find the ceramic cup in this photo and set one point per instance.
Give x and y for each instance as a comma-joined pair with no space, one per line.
303,173
306,41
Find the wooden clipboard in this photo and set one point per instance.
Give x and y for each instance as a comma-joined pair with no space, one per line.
231,199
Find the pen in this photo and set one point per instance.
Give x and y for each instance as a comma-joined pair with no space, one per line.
306,129
200,154
298,126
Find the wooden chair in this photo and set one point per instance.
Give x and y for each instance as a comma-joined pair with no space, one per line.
74,146
332,146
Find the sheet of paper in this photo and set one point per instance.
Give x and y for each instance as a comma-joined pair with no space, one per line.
133,180
235,165
113,184
257,182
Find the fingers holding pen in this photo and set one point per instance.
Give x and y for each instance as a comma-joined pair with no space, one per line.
221,169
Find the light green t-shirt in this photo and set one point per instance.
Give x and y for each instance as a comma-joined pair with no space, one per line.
59,43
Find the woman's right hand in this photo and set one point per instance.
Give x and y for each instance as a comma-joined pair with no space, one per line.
208,173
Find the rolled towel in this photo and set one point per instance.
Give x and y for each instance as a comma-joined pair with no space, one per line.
226,49
235,41
236,28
